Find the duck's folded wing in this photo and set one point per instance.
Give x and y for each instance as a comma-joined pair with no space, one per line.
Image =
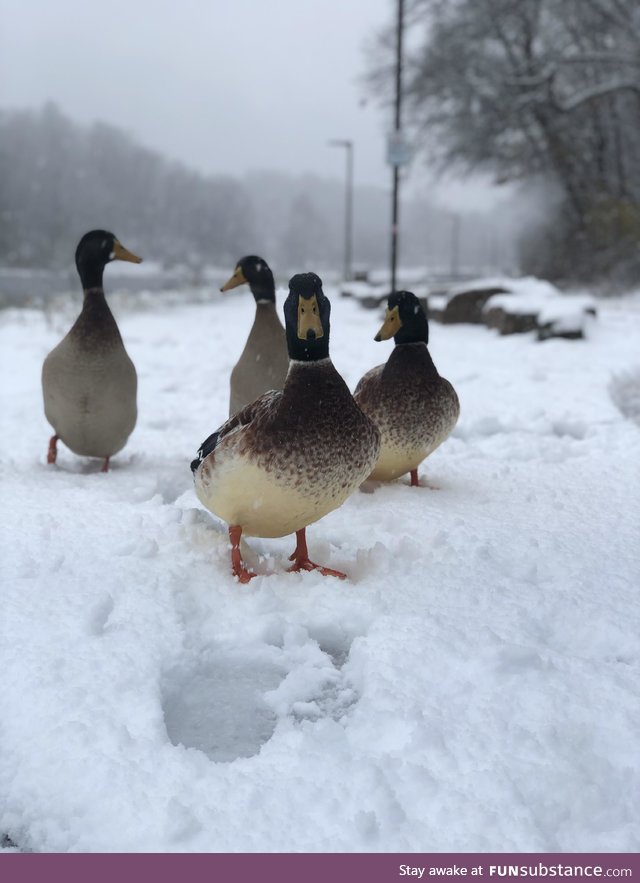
368,381
242,418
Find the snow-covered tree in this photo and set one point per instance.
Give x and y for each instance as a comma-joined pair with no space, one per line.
527,88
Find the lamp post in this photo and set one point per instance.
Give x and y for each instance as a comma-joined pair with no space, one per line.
348,204
397,150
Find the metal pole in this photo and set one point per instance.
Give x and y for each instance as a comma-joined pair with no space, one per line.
396,170
348,214
348,204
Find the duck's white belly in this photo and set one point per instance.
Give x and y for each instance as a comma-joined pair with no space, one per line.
264,506
395,461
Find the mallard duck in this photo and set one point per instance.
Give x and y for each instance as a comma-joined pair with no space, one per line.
88,381
264,362
293,455
414,408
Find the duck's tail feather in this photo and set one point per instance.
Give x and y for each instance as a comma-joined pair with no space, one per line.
207,446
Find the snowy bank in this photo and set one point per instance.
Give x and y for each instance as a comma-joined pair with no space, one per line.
473,686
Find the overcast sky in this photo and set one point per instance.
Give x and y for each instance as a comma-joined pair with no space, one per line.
225,85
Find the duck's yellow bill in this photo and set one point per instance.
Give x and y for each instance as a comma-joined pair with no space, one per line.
120,253
309,318
238,278
391,325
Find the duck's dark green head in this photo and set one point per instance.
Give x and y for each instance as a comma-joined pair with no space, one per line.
306,313
256,273
405,319
95,250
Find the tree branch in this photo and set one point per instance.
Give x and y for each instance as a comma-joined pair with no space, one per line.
569,104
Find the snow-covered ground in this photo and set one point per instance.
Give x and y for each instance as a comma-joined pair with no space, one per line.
474,686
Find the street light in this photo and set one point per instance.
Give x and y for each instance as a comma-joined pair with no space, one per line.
397,149
348,205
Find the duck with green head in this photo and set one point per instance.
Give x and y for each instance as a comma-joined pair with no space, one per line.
414,408
293,455
89,382
264,361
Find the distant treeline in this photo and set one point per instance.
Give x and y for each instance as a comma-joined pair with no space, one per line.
59,179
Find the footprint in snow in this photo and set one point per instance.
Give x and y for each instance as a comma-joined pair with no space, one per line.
228,703
218,706
99,618
624,389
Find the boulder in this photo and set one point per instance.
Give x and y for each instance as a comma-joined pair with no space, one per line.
467,306
555,329
506,322
566,318
368,295
436,304
550,315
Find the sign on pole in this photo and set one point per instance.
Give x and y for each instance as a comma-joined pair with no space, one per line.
398,149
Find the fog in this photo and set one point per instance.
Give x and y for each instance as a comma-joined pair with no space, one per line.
243,89
225,87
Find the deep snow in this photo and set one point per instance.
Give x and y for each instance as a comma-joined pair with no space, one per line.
474,686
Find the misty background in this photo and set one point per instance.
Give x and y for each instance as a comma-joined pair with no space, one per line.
201,133
61,179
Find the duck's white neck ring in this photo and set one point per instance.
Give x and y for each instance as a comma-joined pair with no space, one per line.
294,363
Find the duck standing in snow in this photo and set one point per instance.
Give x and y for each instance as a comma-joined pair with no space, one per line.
414,408
264,362
293,455
88,381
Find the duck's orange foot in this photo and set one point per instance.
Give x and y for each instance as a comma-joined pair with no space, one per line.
237,564
244,575
301,560
306,564
52,452
415,481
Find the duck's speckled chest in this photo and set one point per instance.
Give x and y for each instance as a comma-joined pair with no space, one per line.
301,455
318,437
412,405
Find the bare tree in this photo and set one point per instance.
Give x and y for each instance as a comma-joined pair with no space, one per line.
527,88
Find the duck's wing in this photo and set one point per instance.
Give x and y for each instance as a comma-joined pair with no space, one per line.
368,382
242,418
